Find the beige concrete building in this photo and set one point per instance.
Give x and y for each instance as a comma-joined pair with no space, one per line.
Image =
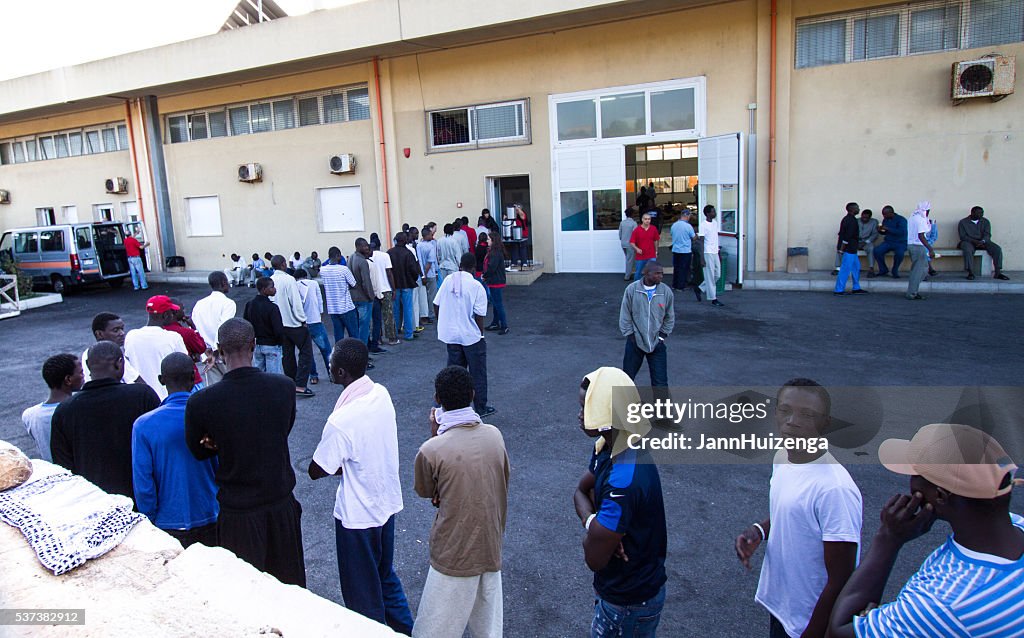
564,106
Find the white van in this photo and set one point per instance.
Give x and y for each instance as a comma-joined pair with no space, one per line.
67,255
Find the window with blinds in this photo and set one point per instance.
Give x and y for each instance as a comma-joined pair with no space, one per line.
345,104
907,29
479,126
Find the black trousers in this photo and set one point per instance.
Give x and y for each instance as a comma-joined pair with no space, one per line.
680,269
269,538
205,535
297,338
474,358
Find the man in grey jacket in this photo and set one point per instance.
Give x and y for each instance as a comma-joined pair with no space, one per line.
626,228
976,234
646,319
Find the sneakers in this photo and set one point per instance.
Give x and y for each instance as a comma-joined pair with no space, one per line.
418,329
492,327
715,302
378,350
915,298
487,411
859,291
504,331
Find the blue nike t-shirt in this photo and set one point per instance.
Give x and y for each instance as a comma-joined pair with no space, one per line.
628,501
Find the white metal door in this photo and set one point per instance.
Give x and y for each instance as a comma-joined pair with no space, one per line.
589,197
719,183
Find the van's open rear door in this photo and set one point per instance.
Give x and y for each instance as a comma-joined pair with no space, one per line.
109,242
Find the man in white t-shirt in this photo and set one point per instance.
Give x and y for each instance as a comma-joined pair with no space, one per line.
383,287
813,531
208,315
919,248
461,307
63,376
360,445
106,326
147,346
708,231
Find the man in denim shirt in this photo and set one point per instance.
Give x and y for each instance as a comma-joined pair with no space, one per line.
894,233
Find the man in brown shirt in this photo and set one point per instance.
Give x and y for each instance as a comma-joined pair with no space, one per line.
463,468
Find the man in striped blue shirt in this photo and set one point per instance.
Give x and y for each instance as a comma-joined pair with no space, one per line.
971,586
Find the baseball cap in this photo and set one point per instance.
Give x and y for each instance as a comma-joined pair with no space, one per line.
159,304
958,458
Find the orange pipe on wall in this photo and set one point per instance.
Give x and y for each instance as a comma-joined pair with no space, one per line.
383,157
771,139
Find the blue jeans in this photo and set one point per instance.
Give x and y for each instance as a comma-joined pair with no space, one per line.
498,299
318,333
377,326
268,359
138,273
364,311
640,263
369,583
405,311
657,362
474,358
346,323
849,266
680,269
637,621
898,251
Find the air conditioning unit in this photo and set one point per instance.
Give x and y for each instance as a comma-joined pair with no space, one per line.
116,185
5,196
251,172
344,163
991,76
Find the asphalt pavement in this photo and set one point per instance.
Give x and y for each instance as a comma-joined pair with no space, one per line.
563,327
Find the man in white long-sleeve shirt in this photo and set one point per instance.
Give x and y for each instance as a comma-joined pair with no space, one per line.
296,335
209,314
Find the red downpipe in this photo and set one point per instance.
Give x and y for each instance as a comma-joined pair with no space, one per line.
771,140
383,155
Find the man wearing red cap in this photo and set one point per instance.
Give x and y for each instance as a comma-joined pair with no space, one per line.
146,347
973,585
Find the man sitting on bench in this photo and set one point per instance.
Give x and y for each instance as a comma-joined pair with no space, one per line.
894,233
976,234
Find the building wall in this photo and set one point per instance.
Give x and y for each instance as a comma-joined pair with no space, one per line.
68,181
885,132
718,42
278,214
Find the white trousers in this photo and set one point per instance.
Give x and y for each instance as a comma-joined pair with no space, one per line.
450,604
712,271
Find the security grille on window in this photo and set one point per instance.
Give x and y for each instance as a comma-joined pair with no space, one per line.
326,107
484,125
907,29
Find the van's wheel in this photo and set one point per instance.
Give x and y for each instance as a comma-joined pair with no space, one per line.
59,284
116,283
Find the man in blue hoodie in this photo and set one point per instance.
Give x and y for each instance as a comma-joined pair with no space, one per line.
174,490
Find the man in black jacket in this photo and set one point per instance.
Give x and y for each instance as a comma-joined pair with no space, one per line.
849,242
407,275
245,421
265,317
91,433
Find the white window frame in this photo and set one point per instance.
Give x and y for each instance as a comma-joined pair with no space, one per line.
97,212
343,92
474,142
188,217
698,84
904,11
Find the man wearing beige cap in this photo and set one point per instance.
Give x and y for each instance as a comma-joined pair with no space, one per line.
973,585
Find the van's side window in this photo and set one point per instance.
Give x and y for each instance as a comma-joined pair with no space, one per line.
84,238
51,240
26,242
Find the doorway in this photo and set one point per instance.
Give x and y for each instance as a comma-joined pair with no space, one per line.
671,169
504,192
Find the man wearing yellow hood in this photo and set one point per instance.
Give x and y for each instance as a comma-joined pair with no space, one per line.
620,504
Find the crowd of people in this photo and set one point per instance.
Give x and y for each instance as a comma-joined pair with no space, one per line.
860,231
190,417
